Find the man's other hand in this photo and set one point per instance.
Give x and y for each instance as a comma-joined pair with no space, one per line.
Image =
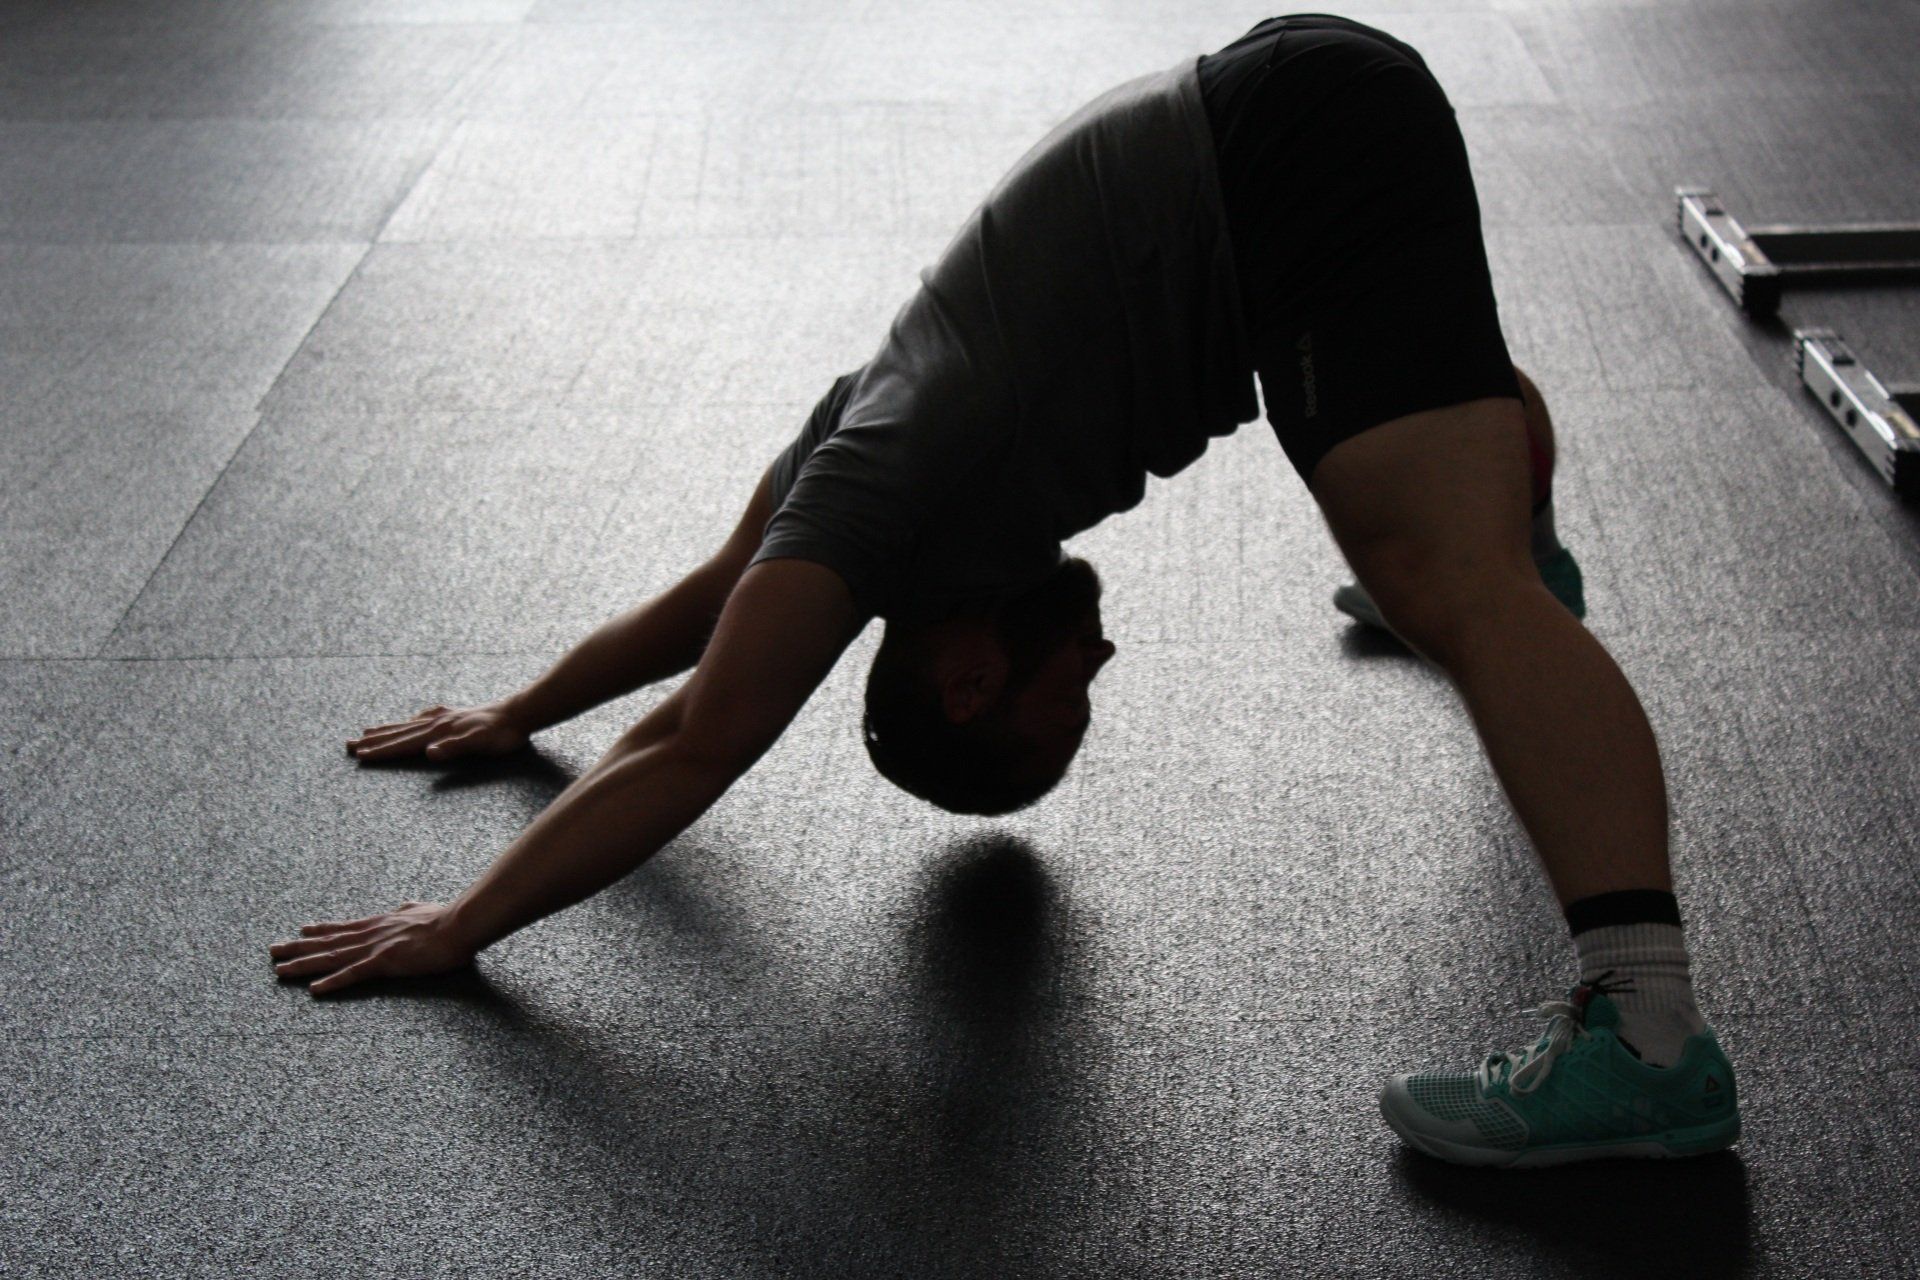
416,939
443,733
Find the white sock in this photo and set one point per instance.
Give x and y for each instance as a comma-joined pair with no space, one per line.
1647,976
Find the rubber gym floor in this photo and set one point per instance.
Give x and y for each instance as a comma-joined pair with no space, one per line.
361,355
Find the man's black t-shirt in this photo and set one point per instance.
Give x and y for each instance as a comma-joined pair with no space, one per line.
1081,331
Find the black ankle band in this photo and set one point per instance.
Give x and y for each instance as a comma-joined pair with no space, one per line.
1624,906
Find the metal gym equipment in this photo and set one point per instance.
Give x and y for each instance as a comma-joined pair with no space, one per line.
1755,265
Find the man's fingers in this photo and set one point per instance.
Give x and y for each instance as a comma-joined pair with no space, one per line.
373,733
335,926
367,968
293,948
321,961
445,746
370,730
393,746
375,736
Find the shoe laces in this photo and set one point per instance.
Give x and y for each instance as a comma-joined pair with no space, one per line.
1527,1069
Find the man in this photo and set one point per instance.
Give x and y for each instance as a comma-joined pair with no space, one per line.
1297,205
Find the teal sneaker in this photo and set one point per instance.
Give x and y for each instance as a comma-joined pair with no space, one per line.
1576,1093
1559,571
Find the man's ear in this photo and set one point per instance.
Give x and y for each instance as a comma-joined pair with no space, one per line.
970,687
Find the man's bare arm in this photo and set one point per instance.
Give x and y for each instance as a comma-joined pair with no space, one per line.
781,632
649,642
783,628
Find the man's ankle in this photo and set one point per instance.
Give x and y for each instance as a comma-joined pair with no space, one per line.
1631,949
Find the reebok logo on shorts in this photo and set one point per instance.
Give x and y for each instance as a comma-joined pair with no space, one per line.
1304,345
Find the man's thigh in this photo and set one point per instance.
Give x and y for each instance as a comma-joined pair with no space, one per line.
1434,505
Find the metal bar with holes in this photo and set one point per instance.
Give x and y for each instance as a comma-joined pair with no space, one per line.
1755,264
1878,419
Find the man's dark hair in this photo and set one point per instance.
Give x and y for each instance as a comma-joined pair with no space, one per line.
980,767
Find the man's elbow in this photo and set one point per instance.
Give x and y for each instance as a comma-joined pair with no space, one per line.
716,751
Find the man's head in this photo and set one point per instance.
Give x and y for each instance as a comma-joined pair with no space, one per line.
982,713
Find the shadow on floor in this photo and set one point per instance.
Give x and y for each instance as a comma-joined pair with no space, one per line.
1367,642
953,1137
540,775
982,938
987,976
1609,1218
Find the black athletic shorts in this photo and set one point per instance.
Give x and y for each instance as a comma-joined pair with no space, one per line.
1355,231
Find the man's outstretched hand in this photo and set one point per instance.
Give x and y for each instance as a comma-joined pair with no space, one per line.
414,940
444,733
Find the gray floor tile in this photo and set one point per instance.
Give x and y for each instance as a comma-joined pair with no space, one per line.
429,533
1479,59
1674,487
1810,156
838,170
509,181
121,15
113,331
1538,166
163,1124
228,181
215,767
1094,14
565,70
618,12
1879,323
145,70
602,324
89,511
414,11
1611,308
688,489
1690,56
494,330
1233,548
1241,1085
864,62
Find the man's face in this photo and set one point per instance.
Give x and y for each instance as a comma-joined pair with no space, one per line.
1054,649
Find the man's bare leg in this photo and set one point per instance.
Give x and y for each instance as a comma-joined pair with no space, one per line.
1431,511
1539,427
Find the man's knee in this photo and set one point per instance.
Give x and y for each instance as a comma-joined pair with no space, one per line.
1430,510
1437,605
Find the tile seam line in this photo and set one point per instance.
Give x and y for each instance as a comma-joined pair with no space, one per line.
645,233
259,415
441,1031
1226,642
340,1033
277,657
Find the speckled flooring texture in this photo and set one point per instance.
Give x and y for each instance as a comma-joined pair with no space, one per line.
360,355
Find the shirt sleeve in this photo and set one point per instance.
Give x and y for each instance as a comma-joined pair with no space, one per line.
819,425
915,426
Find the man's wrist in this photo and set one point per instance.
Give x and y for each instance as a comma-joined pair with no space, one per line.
525,712
462,927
